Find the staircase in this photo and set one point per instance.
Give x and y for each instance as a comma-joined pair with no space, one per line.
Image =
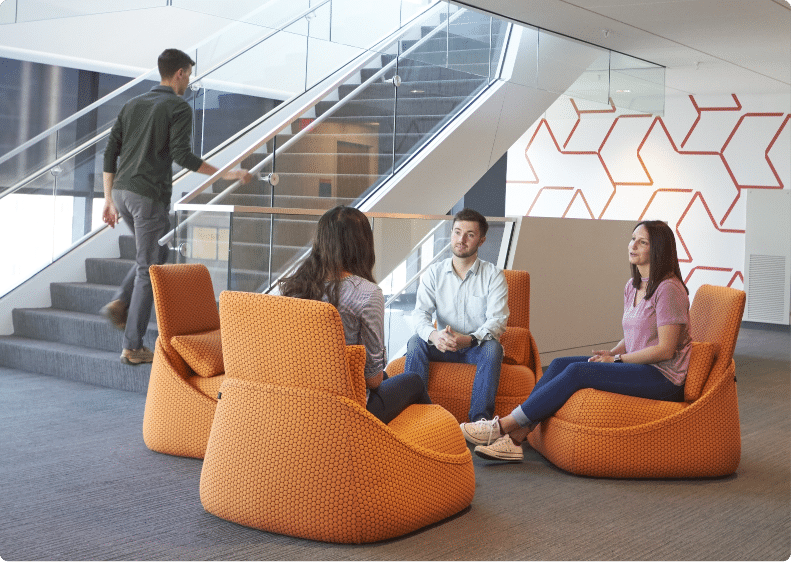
348,155
71,339
354,150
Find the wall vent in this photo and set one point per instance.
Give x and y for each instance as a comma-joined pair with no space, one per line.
767,256
767,288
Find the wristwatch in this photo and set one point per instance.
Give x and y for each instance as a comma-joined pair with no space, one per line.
474,341
617,359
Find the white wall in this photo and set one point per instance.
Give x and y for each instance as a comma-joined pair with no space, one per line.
689,168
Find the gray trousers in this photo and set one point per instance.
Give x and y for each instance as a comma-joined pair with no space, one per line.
148,220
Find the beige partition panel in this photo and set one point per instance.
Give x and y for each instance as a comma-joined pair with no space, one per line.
578,269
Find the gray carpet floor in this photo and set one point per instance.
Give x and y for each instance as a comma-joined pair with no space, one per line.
79,484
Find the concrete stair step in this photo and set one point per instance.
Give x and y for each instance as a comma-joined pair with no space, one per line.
81,297
73,328
92,366
108,271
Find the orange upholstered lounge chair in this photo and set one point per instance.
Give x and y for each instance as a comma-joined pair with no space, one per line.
188,364
602,434
294,451
450,384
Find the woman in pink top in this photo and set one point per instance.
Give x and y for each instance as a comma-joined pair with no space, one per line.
650,361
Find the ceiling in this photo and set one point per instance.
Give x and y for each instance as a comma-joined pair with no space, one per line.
709,47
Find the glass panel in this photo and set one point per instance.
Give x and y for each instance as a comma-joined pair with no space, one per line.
559,57
411,7
292,237
497,36
249,252
268,13
33,10
637,85
7,15
320,21
98,120
469,43
42,153
221,114
204,239
363,24
428,97
34,249
274,69
428,42
403,248
345,153
325,57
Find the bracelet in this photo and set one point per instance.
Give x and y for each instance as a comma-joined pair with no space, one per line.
617,359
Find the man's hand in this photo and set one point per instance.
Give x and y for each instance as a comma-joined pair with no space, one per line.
449,340
110,213
242,175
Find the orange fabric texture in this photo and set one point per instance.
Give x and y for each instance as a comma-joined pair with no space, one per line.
515,345
179,410
603,434
292,449
450,384
202,352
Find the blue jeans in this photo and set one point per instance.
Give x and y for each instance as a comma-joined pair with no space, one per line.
567,375
394,394
487,357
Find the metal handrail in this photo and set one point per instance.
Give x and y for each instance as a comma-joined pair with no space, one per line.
244,209
122,89
231,188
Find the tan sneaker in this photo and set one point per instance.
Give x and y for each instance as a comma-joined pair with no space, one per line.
482,432
137,356
504,449
115,312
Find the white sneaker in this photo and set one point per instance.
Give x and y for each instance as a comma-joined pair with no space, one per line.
503,449
482,432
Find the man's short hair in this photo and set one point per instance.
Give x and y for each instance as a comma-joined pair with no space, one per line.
473,216
171,60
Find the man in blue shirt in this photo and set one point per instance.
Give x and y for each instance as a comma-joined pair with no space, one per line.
152,131
470,299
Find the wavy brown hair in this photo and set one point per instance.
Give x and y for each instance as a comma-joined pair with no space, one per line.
344,243
664,258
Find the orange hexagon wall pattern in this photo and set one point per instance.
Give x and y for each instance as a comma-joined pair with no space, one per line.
689,167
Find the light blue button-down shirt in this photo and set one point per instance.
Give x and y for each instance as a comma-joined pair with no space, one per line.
476,305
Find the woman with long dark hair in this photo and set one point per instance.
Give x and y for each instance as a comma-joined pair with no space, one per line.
650,361
339,270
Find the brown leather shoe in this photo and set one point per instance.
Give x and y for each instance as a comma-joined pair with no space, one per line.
116,313
137,356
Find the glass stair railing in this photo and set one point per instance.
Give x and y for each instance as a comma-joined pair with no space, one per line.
349,144
344,147
426,238
48,184
356,108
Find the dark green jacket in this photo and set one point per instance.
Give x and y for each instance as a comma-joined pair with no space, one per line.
152,131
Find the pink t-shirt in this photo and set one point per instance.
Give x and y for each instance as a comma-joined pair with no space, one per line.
668,305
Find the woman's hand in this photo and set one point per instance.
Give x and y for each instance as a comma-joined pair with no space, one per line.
600,357
374,381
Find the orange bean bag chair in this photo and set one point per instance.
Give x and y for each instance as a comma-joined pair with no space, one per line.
292,448
450,384
598,433
188,365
